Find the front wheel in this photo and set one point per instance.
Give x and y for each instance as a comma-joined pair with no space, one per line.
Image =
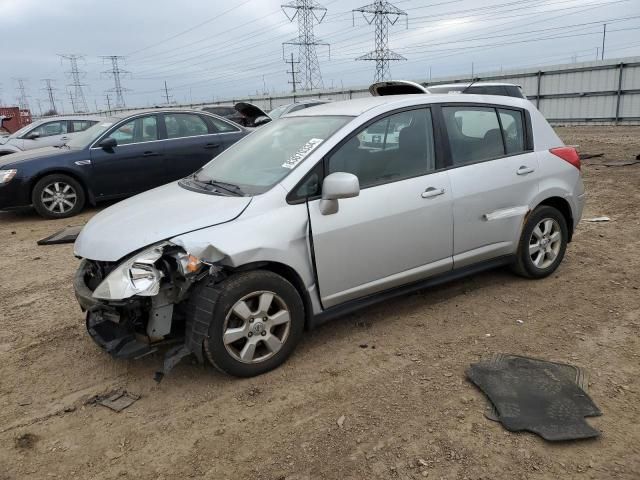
58,196
256,321
542,244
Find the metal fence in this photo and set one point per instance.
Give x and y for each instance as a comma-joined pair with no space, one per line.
602,92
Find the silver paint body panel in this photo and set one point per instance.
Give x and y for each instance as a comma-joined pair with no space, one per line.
387,236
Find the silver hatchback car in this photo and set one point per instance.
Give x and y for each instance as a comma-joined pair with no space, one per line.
321,212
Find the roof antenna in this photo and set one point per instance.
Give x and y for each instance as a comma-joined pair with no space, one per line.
469,86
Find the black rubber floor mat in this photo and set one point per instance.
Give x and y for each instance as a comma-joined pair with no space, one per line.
579,375
66,235
537,396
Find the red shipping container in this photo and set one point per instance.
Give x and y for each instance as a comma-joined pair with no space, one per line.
15,118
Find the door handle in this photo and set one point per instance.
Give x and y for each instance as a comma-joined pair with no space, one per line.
150,154
432,192
212,145
64,138
524,170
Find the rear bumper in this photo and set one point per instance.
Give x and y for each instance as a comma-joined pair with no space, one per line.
579,208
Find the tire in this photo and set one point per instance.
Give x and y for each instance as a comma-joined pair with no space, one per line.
58,196
538,254
273,340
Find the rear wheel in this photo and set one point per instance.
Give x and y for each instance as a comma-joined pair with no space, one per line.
542,244
58,196
257,319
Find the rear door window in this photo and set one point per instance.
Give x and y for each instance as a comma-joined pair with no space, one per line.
474,134
139,130
180,125
513,128
81,125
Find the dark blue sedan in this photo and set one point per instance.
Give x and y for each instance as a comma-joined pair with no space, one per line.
115,158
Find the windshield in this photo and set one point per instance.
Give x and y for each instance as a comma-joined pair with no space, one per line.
278,111
266,156
83,139
24,129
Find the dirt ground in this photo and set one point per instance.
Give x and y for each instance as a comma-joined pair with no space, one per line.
395,372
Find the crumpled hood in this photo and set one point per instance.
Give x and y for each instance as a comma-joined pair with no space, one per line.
21,157
151,217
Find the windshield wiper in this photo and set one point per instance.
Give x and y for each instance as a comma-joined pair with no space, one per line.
228,187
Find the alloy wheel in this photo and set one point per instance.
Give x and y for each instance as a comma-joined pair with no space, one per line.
256,327
545,243
58,197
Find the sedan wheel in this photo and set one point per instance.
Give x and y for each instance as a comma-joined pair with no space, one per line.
59,197
256,327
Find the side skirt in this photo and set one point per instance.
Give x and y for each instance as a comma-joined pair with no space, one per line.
357,304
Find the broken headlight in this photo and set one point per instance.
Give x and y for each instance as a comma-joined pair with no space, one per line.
135,276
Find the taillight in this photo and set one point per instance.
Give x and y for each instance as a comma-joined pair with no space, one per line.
568,154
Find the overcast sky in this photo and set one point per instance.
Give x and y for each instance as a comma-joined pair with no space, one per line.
206,49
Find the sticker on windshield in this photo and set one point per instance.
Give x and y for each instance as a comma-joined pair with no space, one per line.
106,124
302,152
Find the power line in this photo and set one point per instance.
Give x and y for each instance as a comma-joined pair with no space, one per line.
49,89
79,103
216,17
115,73
308,12
383,14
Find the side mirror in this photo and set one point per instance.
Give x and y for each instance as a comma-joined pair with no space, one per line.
261,120
108,143
336,186
33,136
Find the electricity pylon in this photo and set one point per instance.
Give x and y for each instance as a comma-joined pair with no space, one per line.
382,14
307,12
79,102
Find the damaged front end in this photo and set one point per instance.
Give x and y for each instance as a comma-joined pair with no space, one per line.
139,305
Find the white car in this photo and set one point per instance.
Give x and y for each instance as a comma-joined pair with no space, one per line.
299,222
404,87
49,132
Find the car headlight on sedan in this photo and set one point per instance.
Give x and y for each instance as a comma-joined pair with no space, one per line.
136,276
7,175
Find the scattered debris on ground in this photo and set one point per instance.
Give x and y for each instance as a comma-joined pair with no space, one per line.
26,441
587,156
117,400
66,235
597,219
620,164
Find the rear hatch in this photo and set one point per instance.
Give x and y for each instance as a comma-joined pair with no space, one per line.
252,112
396,87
